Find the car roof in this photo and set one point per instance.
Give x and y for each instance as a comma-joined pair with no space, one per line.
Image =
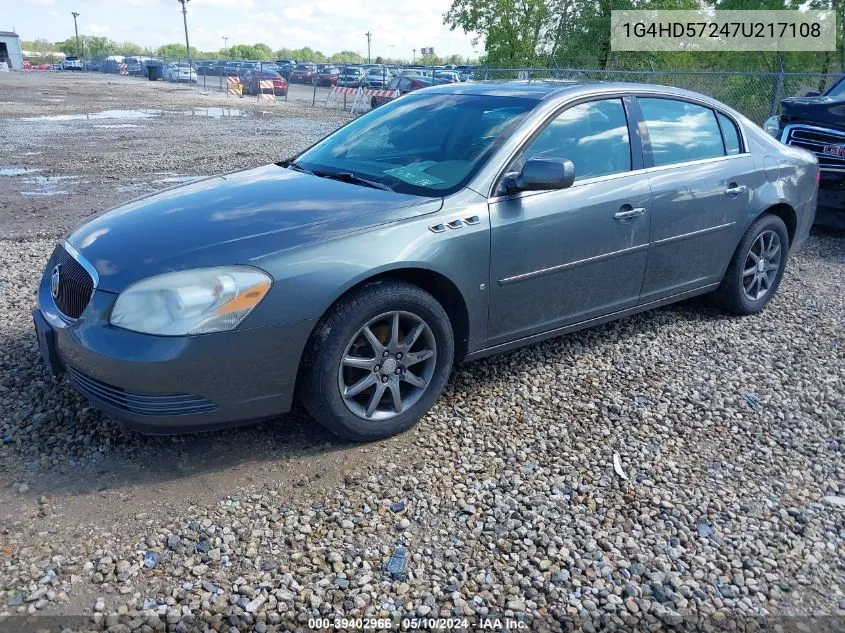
550,89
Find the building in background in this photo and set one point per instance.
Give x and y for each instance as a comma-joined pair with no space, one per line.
10,50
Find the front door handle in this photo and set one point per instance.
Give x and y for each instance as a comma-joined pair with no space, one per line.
627,213
735,190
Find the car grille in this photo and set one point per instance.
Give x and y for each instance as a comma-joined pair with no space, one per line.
75,284
139,403
815,140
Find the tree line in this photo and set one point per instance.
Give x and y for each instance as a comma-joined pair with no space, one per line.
94,47
576,34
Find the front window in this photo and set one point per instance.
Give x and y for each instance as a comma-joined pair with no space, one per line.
593,135
427,145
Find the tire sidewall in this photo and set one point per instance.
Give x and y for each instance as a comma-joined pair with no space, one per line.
337,416
766,223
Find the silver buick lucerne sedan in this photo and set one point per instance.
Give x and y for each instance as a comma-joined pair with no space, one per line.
449,224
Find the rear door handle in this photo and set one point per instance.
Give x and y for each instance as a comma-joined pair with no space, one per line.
735,190
627,214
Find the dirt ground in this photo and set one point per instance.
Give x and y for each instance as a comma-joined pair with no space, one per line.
506,495
100,140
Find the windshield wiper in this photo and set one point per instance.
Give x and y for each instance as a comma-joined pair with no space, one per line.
345,176
296,167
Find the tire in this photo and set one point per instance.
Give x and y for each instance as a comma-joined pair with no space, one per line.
732,294
339,335
373,103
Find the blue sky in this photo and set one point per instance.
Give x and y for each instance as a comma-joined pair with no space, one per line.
326,25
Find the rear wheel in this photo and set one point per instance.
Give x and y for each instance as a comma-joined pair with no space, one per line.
378,362
757,267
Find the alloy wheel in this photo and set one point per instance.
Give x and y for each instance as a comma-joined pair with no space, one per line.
387,365
761,266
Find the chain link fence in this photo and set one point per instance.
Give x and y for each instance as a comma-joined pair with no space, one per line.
756,94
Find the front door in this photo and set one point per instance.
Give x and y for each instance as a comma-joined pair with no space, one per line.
560,257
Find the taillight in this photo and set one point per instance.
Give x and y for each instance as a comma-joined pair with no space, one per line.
818,177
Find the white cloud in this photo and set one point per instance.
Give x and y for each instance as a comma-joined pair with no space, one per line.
97,29
43,3
227,4
265,16
299,13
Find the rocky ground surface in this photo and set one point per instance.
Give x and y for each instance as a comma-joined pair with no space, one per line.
676,466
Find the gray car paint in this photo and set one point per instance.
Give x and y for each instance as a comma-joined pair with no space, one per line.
320,238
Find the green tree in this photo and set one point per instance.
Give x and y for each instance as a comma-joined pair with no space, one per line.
512,29
176,51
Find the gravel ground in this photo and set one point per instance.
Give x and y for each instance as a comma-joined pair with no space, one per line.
726,503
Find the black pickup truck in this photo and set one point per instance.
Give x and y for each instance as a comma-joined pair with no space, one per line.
816,122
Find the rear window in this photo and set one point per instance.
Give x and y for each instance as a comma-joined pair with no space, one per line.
71,58
730,134
680,131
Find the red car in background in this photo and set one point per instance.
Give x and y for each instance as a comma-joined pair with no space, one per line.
404,85
303,73
251,86
327,75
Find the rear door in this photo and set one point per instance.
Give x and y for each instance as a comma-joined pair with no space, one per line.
701,183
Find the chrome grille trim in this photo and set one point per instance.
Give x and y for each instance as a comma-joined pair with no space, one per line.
813,139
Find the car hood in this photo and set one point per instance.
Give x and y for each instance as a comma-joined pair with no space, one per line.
233,218
828,111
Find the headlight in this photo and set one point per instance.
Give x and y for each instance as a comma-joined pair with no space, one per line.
772,126
195,301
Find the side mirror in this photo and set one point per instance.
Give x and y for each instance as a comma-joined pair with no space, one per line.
541,174
812,93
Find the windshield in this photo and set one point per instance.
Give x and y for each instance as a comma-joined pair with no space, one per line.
421,144
838,90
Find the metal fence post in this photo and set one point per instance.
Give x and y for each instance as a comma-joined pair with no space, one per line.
778,93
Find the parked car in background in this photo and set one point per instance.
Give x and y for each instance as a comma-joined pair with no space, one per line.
465,73
351,77
284,67
816,122
134,67
72,62
503,214
303,74
247,67
179,72
251,85
327,75
404,84
446,77
377,77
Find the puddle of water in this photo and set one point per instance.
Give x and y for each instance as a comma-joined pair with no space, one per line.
142,113
16,171
177,179
215,112
47,185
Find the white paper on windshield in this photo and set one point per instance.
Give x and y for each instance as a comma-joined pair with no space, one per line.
414,174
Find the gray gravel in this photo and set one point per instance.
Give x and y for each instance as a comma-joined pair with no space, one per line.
726,502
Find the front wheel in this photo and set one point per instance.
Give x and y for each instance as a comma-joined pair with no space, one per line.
757,267
378,362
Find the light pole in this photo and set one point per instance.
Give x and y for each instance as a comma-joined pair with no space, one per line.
225,43
184,4
414,51
76,30
369,37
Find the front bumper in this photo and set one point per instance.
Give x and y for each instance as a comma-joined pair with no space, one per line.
166,385
831,208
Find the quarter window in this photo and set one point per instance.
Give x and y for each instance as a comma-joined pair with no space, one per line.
593,135
680,131
729,133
